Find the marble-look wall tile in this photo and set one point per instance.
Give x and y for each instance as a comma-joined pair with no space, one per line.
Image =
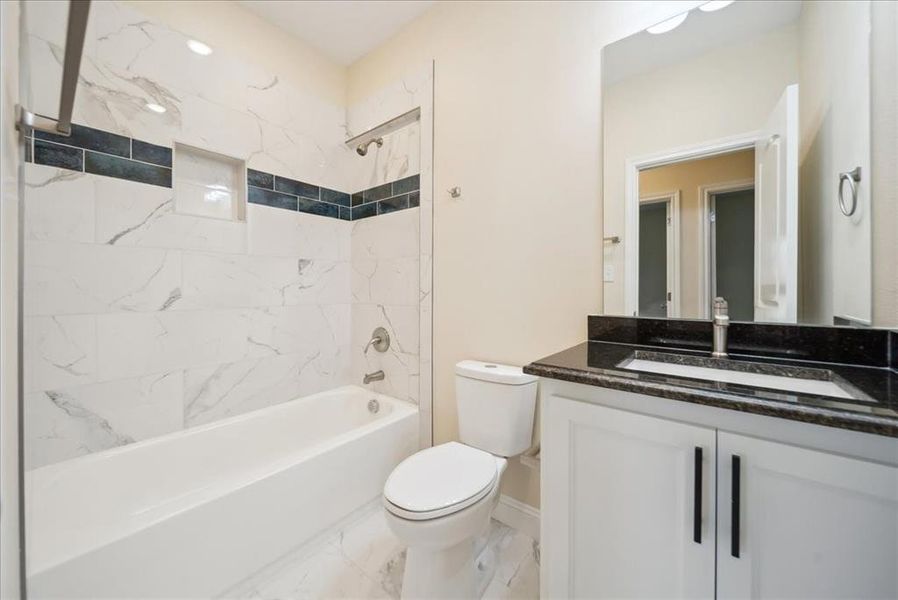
132,214
60,205
136,344
400,362
386,250
390,236
391,281
273,232
225,280
185,319
60,351
226,390
63,424
64,278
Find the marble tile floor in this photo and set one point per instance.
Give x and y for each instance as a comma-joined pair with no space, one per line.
362,559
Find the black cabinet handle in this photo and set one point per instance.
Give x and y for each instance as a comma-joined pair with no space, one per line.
697,498
735,501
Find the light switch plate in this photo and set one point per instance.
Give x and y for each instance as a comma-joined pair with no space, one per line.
609,273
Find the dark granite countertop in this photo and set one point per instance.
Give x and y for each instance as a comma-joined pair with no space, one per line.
598,363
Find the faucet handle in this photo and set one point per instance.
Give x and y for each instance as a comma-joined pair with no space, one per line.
721,307
380,339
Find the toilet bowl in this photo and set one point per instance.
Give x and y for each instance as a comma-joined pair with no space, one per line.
439,500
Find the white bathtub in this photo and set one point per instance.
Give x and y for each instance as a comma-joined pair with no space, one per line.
189,514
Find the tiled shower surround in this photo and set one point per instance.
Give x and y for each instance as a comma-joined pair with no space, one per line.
139,320
99,152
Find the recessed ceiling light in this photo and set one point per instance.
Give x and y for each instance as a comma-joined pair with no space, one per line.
199,47
156,108
668,25
715,5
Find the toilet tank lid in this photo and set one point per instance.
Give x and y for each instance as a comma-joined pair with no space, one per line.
496,373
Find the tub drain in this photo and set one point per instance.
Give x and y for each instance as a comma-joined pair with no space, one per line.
373,405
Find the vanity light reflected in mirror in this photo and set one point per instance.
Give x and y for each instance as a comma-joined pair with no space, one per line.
199,47
668,25
715,5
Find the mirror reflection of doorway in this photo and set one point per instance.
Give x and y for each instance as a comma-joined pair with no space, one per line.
732,245
653,258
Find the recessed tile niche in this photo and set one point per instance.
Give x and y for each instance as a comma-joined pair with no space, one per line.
208,184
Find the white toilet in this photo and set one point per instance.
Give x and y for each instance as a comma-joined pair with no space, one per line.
439,500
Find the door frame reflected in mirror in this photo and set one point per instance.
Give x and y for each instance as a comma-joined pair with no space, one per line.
632,199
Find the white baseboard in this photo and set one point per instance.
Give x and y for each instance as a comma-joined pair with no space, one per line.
518,515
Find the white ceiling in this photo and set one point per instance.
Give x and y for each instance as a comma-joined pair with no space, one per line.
343,30
702,31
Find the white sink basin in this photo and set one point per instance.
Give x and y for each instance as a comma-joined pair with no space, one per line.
816,387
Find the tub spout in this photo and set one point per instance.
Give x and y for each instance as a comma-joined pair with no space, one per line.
375,376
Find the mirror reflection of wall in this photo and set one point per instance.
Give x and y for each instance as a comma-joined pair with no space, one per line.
731,130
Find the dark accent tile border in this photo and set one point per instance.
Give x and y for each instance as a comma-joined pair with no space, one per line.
386,198
151,153
270,198
378,193
409,184
296,188
56,155
364,211
846,345
290,194
122,168
282,192
313,207
89,138
335,197
102,153
112,155
392,204
260,179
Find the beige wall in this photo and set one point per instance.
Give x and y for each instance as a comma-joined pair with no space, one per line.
726,92
230,28
686,177
517,259
9,201
834,118
884,114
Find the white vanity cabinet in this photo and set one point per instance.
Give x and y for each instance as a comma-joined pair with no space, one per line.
631,509
811,524
621,496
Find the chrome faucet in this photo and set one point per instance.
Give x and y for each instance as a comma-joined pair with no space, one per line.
375,376
721,322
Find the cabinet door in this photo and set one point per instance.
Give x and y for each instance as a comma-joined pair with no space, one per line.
810,524
619,504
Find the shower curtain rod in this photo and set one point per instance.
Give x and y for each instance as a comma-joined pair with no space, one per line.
71,66
386,127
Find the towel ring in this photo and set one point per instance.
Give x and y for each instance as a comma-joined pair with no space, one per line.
852,177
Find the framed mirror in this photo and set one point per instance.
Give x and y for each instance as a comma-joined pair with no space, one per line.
740,162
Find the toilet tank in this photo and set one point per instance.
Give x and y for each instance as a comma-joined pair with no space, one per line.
495,404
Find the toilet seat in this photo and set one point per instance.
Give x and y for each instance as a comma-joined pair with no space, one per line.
439,481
